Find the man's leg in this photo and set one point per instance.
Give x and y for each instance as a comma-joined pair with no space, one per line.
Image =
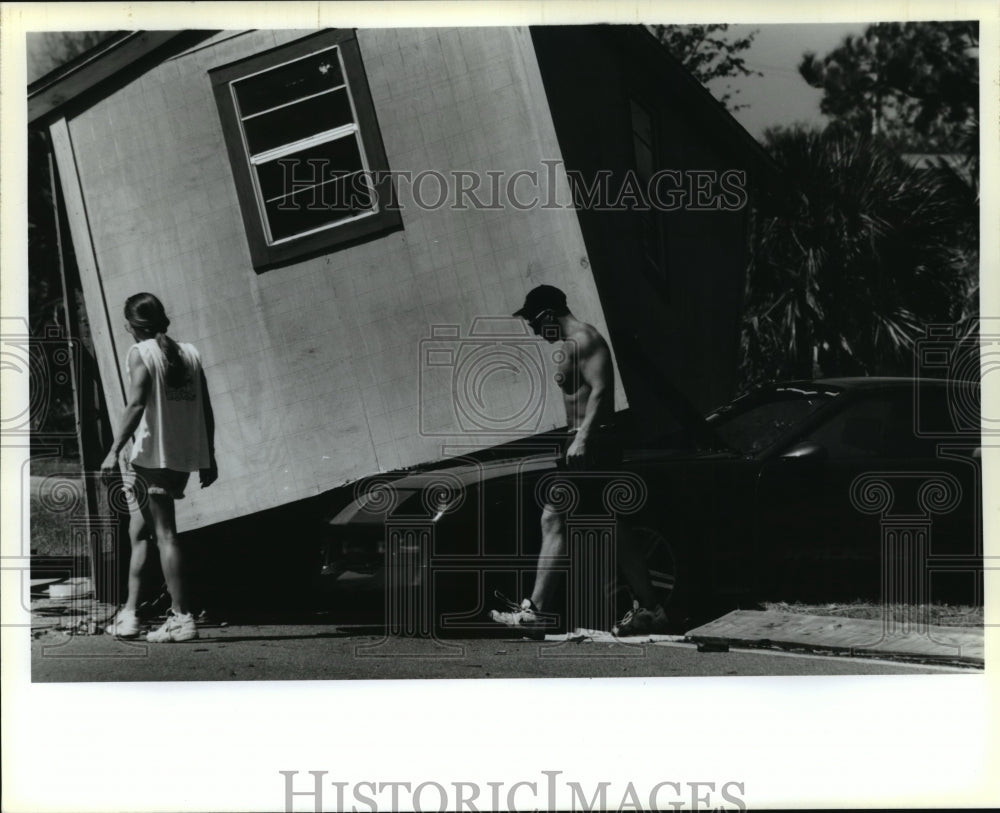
531,615
647,614
553,549
632,562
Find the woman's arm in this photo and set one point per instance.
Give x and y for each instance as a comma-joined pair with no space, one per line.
211,474
138,391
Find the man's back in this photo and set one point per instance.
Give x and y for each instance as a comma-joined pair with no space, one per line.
585,362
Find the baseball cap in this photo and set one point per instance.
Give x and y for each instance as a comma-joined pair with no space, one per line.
541,298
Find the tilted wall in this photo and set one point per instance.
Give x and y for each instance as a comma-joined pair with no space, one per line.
315,368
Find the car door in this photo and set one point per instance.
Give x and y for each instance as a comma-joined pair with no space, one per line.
859,506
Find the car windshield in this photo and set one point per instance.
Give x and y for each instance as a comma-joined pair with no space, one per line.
757,421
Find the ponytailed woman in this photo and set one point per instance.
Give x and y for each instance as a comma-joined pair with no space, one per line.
169,419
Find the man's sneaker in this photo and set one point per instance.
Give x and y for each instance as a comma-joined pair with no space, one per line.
176,628
125,624
640,621
524,616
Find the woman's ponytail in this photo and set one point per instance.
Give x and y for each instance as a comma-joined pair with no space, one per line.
145,312
177,371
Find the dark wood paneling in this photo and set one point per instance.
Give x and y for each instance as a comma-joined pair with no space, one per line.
686,329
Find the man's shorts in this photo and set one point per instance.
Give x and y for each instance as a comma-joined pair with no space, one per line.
140,481
588,484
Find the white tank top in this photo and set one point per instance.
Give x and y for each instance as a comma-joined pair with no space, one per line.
172,433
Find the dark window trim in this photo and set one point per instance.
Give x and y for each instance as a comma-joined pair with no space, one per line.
653,268
388,218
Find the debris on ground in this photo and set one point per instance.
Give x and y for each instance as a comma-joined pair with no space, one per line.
78,587
71,615
942,615
855,637
580,635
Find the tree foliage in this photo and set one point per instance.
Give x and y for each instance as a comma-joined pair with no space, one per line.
48,50
914,83
708,53
850,264
46,304
867,246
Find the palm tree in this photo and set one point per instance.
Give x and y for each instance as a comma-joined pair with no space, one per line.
850,263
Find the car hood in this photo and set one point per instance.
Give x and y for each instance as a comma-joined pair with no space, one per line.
466,474
375,499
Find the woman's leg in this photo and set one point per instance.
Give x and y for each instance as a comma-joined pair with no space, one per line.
162,508
140,529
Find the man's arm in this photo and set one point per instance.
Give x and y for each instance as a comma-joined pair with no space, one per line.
594,364
138,391
596,371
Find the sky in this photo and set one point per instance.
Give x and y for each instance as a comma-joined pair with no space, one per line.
781,96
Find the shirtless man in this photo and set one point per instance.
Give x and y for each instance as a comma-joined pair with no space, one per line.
587,380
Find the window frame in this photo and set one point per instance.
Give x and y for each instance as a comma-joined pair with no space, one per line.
265,253
654,250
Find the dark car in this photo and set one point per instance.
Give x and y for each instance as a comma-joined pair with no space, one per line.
833,489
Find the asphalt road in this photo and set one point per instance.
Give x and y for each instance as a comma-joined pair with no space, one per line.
329,652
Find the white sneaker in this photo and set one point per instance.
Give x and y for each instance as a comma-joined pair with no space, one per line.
524,617
125,625
176,628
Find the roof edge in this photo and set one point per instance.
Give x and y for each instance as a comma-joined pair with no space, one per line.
76,80
56,74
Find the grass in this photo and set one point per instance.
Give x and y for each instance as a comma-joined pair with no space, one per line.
44,466
944,615
50,532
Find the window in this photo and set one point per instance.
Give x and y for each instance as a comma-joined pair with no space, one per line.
307,155
756,423
651,223
880,425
